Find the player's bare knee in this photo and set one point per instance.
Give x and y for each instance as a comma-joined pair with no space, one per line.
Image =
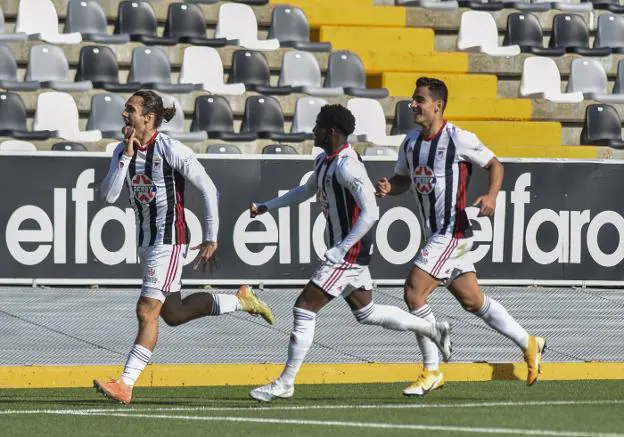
469,305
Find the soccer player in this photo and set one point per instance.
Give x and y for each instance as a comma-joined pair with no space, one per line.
435,161
347,199
155,168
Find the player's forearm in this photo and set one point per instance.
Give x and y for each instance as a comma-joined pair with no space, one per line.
364,223
111,186
293,197
200,179
496,174
399,185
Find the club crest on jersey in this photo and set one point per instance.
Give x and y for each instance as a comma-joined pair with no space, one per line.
424,180
143,188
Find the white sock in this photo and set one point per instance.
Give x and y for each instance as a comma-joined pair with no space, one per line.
431,360
497,317
391,317
301,339
224,303
138,358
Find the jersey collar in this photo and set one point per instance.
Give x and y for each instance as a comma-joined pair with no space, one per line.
437,134
151,141
336,153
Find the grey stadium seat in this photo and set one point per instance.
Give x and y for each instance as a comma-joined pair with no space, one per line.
264,116
8,73
48,65
610,32
290,26
345,70
13,119
380,151
87,17
306,111
69,146
150,66
301,71
589,77
403,118
602,127
6,37
618,85
175,126
105,115
223,149
279,149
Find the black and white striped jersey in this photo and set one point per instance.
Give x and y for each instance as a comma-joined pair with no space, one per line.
343,185
440,169
155,177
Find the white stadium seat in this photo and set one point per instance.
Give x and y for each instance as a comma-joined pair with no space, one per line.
57,111
203,65
478,33
370,122
238,21
38,19
541,80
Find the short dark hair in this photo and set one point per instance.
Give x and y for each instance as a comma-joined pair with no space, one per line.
337,117
437,88
153,104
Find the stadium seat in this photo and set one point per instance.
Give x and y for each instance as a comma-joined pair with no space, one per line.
478,33
88,18
13,119
541,80
68,146
370,123
213,115
602,127
203,2
99,65
609,5
279,149
48,65
439,5
105,115
306,110
8,73
289,25
345,70
238,21
150,66
380,151
227,149
254,2
252,69
618,85
569,31
17,146
57,111
110,147
524,29
38,19
589,77
187,23
264,116
481,6
610,33
175,127
403,118
202,65
6,37
137,19
301,71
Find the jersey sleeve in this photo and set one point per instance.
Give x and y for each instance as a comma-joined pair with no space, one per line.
470,148
111,186
182,159
401,167
296,195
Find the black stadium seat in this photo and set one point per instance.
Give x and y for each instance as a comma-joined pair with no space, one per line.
264,116
99,65
602,127
213,115
524,29
137,19
187,23
251,68
570,31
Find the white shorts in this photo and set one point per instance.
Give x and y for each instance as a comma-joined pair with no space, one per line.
341,279
161,266
445,257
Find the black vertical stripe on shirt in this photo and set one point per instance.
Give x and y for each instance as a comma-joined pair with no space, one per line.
430,163
153,210
448,186
170,190
323,173
341,205
416,163
139,209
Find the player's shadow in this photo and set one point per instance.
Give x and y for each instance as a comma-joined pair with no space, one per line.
503,372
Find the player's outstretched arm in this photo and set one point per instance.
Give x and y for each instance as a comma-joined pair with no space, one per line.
487,202
292,197
352,175
111,186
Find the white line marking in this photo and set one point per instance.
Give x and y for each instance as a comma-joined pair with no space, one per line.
254,407
374,425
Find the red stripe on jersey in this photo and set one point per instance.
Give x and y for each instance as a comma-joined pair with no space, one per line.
180,223
460,205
